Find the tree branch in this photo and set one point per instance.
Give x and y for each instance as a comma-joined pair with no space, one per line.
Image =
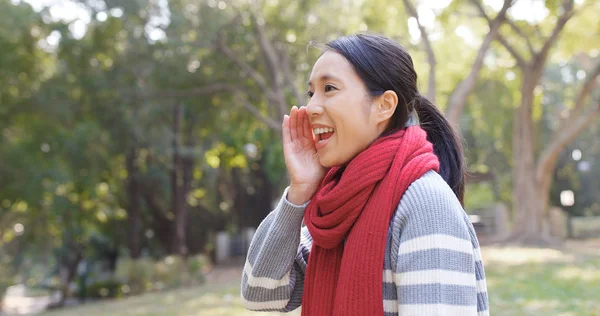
520,32
265,119
268,51
478,177
273,65
459,96
548,158
431,91
588,87
568,12
257,77
206,90
571,128
289,78
538,30
520,61
465,14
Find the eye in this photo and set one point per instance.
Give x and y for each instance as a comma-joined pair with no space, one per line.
329,88
309,94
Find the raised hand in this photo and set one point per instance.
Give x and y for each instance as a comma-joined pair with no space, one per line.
301,156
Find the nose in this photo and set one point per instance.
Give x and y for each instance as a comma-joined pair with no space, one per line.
314,107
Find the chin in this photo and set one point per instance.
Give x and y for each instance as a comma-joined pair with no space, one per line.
329,162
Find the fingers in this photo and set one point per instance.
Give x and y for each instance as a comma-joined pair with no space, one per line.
294,123
297,125
306,125
285,130
301,118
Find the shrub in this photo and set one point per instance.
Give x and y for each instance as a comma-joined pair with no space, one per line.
109,288
145,275
137,274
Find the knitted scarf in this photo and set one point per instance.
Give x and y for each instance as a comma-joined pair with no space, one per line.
348,219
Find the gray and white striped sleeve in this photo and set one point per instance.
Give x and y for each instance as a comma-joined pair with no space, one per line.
273,276
436,271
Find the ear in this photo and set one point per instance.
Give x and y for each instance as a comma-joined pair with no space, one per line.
386,106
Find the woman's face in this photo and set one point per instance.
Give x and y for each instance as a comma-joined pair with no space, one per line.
339,102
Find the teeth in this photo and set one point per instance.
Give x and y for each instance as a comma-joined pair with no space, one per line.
318,131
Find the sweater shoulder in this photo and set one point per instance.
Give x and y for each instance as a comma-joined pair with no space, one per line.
429,206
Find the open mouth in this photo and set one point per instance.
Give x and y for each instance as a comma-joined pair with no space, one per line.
323,134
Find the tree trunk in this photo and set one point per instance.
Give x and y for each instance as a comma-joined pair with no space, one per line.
133,208
177,202
187,174
178,194
263,196
531,179
530,196
241,203
531,223
161,223
67,271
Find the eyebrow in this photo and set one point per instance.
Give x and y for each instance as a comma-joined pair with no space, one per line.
324,77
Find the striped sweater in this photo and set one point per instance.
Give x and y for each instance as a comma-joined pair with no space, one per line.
432,260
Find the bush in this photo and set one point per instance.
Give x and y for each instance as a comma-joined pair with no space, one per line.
197,265
169,272
137,274
145,275
109,288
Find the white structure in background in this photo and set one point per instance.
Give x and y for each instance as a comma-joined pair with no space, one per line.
222,248
567,198
17,301
230,248
248,234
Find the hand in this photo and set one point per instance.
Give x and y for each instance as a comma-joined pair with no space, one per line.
301,156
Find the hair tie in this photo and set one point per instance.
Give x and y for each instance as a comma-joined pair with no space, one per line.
412,119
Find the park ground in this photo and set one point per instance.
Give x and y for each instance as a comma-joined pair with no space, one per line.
521,281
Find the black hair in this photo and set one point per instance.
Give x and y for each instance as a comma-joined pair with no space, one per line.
383,64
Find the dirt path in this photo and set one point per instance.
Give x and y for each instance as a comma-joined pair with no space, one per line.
230,274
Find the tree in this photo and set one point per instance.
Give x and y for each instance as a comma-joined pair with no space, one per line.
458,97
532,178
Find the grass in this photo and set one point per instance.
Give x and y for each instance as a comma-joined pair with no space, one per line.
545,282
208,300
521,281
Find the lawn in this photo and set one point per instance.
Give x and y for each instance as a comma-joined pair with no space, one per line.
542,282
521,281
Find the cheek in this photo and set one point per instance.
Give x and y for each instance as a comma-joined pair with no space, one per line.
354,130
356,133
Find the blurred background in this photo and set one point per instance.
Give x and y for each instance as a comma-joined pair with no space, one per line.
140,142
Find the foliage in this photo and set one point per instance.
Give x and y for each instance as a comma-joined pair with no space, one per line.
147,275
478,196
106,289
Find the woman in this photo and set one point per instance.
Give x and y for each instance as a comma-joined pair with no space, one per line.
377,174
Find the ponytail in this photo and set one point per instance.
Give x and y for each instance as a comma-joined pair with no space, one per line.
446,145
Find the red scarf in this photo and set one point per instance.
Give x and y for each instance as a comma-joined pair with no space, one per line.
356,204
